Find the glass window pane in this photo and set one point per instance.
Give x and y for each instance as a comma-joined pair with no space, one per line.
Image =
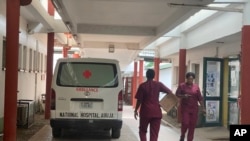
212,111
213,79
87,74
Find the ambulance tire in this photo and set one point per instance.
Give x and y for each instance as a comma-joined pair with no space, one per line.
56,132
116,133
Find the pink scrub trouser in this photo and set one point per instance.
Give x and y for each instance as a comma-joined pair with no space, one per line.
188,122
154,128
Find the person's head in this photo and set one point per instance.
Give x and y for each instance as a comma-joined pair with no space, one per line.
190,76
150,74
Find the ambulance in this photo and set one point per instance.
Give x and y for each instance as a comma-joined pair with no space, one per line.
86,95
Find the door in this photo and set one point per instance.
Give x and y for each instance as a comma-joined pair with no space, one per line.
233,91
212,90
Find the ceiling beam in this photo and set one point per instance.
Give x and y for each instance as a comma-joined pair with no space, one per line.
116,30
225,9
129,46
38,11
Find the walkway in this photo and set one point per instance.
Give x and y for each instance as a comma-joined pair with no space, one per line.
129,132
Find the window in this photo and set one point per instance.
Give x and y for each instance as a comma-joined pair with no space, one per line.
4,54
77,74
24,58
38,63
20,57
41,68
34,61
30,59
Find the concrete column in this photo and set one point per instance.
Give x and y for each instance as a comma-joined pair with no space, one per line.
126,90
50,51
182,65
141,68
182,69
134,86
65,52
182,72
11,74
245,67
157,68
51,9
157,65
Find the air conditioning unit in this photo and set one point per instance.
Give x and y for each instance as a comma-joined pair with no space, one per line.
22,114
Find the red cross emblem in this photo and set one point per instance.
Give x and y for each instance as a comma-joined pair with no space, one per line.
87,74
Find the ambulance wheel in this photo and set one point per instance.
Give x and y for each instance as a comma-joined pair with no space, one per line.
56,132
116,133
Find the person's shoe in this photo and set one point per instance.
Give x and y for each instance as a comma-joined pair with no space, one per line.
181,139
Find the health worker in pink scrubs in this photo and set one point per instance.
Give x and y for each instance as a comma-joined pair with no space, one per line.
150,110
190,95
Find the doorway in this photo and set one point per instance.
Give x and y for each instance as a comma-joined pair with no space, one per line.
213,90
233,90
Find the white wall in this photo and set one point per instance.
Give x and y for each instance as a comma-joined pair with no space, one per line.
201,41
165,77
30,84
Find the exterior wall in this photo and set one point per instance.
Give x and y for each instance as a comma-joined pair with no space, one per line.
30,84
221,26
166,76
196,55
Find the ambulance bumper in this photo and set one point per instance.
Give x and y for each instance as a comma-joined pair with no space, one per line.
86,123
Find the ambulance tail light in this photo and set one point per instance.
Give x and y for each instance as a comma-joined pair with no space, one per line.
53,100
120,101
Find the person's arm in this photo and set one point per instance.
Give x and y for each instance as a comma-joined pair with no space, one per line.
179,93
138,104
165,89
139,97
202,107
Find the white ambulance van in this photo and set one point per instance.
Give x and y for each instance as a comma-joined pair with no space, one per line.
86,95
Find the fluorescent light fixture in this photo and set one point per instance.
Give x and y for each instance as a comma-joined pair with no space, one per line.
225,9
57,6
75,37
69,26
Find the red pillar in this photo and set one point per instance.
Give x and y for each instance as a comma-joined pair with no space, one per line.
51,9
157,68
50,51
141,68
134,87
182,65
245,79
11,74
126,90
182,73
65,52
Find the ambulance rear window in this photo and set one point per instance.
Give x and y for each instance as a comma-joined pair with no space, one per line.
82,74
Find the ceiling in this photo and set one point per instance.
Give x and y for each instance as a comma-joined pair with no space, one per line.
127,25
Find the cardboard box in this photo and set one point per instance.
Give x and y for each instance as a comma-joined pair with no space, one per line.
168,102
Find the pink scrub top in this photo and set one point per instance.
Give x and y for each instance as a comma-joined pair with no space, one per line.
148,94
189,104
